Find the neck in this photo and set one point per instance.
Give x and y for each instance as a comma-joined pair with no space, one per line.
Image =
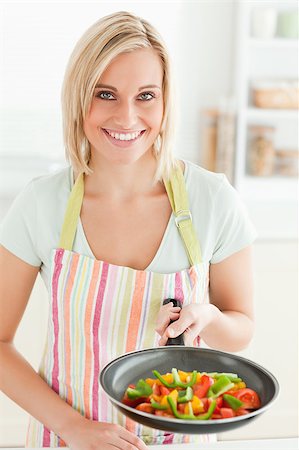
122,180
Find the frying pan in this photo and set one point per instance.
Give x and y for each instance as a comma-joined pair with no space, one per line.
130,367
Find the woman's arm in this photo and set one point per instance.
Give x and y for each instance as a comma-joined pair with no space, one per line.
20,382
226,323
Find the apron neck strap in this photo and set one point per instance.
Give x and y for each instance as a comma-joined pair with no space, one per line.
178,197
72,214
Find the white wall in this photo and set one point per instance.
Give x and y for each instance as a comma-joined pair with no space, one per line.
204,67
38,37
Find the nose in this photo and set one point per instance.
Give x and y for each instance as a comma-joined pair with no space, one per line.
126,115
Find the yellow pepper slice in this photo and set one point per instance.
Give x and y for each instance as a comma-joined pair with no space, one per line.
174,395
237,386
197,405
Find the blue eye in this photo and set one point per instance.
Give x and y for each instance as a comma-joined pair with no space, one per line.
148,93
106,95
99,95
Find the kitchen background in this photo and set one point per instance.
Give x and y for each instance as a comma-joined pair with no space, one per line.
236,66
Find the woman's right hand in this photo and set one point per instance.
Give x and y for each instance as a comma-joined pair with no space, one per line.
91,435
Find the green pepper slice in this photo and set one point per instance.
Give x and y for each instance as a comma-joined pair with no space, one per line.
232,401
205,416
232,376
157,405
222,385
177,382
164,382
185,396
142,389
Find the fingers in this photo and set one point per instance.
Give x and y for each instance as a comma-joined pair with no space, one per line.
106,436
132,440
190,335
166,314
185,320
123,439
163,341
186,323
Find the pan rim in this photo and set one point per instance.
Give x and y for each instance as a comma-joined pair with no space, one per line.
193,422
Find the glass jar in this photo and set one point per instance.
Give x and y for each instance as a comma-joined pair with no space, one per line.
261,152
263,23
287,24
287,163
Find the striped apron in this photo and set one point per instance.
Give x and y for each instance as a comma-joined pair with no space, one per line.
99,311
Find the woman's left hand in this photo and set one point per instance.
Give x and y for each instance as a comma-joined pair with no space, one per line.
192,320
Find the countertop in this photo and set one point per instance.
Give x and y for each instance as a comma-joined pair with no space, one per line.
254,444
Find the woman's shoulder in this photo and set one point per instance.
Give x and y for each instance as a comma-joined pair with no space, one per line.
202,181
53,182
46,194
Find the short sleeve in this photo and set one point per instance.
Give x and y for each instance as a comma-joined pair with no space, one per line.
231,224
18,228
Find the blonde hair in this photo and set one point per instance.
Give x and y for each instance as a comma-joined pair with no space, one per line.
112,35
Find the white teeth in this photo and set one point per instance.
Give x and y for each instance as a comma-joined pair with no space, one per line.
124,137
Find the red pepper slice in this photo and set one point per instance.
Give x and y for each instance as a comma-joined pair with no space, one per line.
164,390
200,389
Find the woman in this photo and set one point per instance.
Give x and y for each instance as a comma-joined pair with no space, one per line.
113,236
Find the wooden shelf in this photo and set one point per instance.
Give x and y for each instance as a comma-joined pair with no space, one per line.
269,188
260,113
276,42
261,58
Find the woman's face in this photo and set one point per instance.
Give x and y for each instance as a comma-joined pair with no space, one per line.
127,103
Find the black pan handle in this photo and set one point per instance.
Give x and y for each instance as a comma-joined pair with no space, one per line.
179,340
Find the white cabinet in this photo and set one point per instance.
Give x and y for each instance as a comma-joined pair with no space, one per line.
262,60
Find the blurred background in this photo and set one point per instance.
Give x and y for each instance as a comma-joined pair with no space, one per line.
236,69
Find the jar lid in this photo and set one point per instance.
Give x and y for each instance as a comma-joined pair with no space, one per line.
287,153
272,83
213,113
260,129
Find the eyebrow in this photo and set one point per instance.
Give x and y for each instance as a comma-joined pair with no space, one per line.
112,88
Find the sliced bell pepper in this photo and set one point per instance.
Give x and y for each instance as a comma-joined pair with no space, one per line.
164,401
163,381
222,385
157,405
232,401
142,389
197,405
231,376
183,375
178,381
201,388
191,415
208,414
164,390
174,396
239,385
185,396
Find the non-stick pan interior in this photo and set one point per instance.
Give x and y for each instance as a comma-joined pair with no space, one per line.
129,368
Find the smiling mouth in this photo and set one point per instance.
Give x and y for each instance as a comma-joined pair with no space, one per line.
124,137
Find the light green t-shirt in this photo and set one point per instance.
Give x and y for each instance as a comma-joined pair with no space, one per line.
32,226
